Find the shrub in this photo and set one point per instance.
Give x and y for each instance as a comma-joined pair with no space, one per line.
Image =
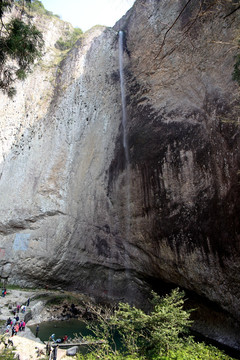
35,6
70,40
161,334
5,353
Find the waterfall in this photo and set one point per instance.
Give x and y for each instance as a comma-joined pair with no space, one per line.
124,138
123,96
127,211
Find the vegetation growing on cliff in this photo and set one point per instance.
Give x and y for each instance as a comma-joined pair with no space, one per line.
70,36
21,44
70,40
162,334
38,7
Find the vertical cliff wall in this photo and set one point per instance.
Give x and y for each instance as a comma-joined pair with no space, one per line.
75,214
184,145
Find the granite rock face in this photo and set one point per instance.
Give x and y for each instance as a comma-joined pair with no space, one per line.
76,212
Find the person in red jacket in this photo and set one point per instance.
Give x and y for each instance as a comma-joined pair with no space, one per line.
16,328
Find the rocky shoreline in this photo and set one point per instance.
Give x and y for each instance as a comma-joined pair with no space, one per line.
44,305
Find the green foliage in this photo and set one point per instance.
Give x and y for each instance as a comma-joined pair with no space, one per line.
6,5
60,299
10,286
2,323
192,350
36,6
7,354
23,43
160,335
157,332
100,355
236,69
70,40
20,45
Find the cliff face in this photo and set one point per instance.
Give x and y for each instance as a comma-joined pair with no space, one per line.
76,214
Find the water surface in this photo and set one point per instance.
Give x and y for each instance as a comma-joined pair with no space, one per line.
60,328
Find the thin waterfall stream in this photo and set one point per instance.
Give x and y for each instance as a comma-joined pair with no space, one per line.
126,155
123,96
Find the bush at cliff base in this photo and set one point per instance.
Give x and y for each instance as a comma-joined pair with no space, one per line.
162,334
7,354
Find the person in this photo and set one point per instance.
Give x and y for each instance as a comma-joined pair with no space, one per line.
23,309
37,330
52,337
20,326
13,330
23,324
16,328
54,352
8,328
64,338
28,301
48,349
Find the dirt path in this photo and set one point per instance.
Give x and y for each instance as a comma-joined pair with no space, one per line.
31,350
13,298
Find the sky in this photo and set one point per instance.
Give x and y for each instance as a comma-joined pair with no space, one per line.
87,13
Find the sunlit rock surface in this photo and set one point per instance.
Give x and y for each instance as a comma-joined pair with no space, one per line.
75,214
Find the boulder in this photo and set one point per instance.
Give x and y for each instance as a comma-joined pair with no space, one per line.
72,351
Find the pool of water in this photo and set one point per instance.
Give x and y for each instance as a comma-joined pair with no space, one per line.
61,328
70,328
73,326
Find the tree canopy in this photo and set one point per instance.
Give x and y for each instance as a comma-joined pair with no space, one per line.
21,43
126,332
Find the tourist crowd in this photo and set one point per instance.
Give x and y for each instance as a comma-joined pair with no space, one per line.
14,324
